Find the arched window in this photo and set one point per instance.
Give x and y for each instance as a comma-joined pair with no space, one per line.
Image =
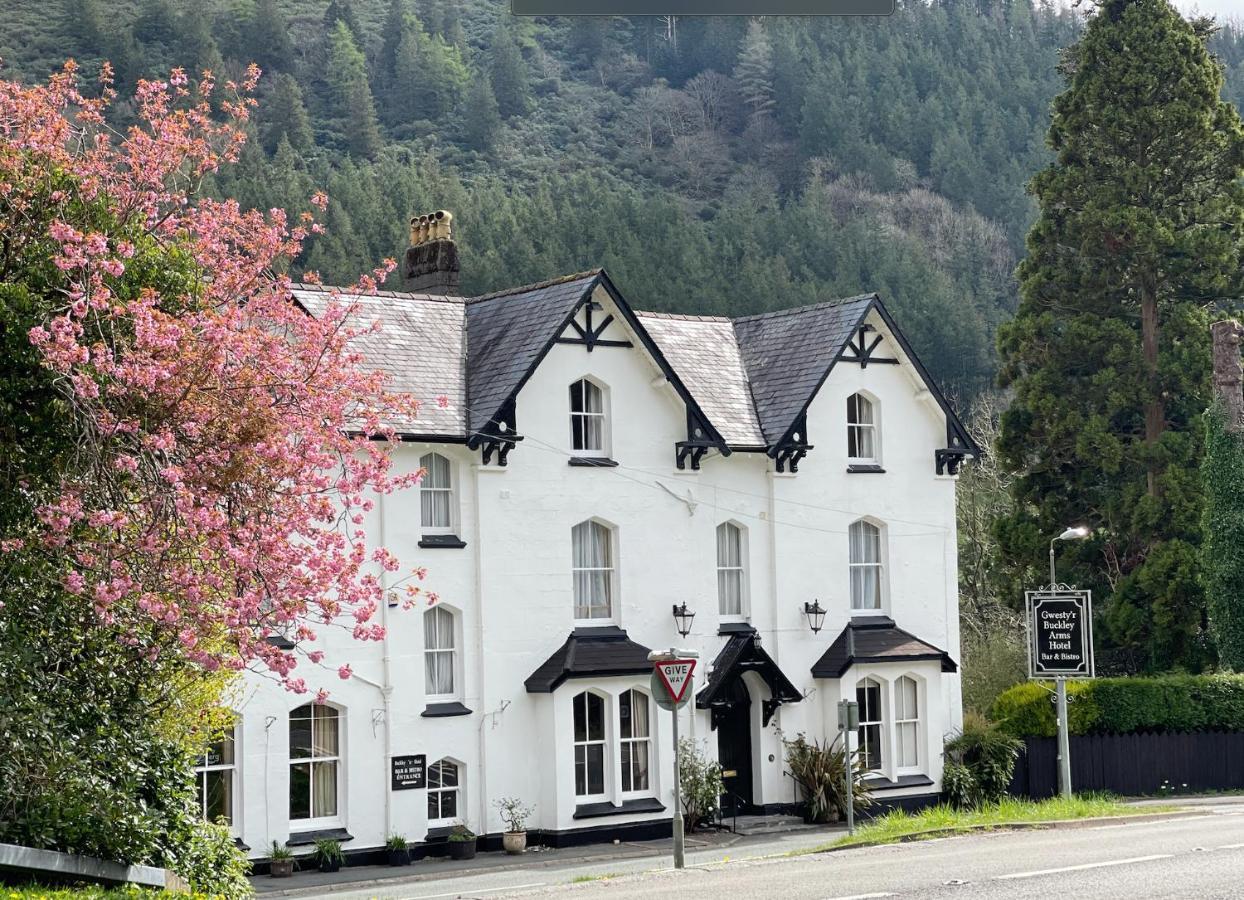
868,740
861,429
444,782
439,652
587,418
731,571
906,723
214,775
865,564
635,730
314,755
436,494
589,745
593,567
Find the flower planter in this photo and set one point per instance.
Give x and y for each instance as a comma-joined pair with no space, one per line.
330,865
514,842
399,857
462,849
281,868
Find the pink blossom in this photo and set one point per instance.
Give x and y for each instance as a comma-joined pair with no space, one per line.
344,672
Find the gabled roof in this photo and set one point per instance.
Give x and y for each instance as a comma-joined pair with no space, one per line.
789,354
600,652
876,639
743,653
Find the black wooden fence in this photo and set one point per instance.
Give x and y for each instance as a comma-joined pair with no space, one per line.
1134,764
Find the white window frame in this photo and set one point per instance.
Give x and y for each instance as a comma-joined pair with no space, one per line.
872,718
626,745
202,769
740,534
458,790
856,428
335,759
440,611
879,565
588,742
426,488
583,416
610,571
911,722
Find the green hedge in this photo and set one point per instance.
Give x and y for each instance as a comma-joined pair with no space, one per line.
1126,705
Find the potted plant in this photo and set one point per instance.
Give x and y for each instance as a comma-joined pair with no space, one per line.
820,770
514,813
281,861
329,855
461,842
398,850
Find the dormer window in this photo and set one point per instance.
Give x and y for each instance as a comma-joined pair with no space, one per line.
588,426
861,430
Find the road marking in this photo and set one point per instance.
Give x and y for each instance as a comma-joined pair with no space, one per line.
1230,846
471,892
1096,865
860,897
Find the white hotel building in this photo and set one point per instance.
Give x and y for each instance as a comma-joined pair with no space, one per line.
595,468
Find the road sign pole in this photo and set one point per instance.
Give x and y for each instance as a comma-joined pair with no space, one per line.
1064,742
679,844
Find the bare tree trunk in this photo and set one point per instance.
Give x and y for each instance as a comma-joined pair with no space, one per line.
1228,373
1155,408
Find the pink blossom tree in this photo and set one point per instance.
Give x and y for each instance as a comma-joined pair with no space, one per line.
225,444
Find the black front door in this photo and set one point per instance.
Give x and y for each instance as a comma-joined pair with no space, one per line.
734,748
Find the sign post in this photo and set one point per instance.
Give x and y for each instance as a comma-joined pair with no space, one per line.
671,687
1060,646
848,722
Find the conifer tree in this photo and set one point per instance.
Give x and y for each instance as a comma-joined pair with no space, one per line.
343,11
754,70
351,94
508,74
481,119
283,116
1108,356
269,40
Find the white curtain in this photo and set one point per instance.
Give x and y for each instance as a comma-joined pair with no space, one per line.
438,643
860,427
593,571
435,492
865,555
635,744
729,570
587,416
907,716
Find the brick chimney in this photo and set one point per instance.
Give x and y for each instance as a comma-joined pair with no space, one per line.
431,264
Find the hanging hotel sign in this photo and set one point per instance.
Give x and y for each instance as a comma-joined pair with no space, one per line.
1060,633
410,773
675,677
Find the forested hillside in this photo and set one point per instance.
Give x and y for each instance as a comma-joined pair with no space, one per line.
714,165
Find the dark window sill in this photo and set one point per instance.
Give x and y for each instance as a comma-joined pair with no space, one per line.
865,469
881,783
627,807
306,838
593,462
444,710
441,541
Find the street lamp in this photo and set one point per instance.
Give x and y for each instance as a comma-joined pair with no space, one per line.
816,615
682,618
1075,533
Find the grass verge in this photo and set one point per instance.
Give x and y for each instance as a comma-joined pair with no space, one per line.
937,821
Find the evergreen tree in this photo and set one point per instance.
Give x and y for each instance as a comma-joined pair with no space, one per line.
754,70
354,106
508,74
83,27
283,117
395,26
1108,356
343,11
481,119
269,40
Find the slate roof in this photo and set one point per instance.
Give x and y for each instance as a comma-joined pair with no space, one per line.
876,639
742,652
420,346
789,353
704,352
590,653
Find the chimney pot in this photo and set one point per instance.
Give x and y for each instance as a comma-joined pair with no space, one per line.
431,264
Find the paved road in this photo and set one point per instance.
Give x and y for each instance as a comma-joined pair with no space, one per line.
1201,857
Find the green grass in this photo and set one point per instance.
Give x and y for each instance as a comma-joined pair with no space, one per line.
582,879
895,826
83,892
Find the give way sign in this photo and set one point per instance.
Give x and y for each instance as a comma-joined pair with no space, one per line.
675,674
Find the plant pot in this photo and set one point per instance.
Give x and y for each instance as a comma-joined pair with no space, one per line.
462,849
399,857
281,868
330,865
514,842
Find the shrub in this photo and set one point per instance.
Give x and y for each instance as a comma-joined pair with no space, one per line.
1168,703
980,761
701,784
328,852
514,813
821,772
